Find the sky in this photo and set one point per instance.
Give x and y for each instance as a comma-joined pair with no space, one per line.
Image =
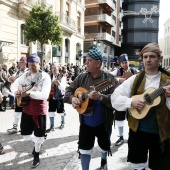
164,15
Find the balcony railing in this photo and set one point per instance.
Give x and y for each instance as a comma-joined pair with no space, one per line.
67,21
100,18
110,3
30,3
100,36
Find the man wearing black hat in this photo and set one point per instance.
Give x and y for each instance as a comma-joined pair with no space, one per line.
96,122
121,73
35,85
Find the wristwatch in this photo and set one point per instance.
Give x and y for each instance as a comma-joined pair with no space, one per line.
101,97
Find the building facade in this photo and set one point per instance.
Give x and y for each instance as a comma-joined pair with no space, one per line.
166,44
12,19
140,20
102,23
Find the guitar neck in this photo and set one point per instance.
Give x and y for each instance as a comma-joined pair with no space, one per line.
98,87
159,91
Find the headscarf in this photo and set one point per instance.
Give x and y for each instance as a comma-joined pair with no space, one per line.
95,53
33,58
123,57
151,47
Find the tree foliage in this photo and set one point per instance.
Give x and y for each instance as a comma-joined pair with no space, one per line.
43,25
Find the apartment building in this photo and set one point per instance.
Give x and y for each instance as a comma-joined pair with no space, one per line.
103,24
140,26
13,44
165,43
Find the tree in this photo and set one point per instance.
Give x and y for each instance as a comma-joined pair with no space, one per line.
43,25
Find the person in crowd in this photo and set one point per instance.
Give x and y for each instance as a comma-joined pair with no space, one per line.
4,75
56,103
22,64
13,69
6,92
120,116
97,121
149,129
33,85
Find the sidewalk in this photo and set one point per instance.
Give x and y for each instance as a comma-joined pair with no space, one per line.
59,150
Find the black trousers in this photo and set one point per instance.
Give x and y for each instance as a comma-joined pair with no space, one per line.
147,146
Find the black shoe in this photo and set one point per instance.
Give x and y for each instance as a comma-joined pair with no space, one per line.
2,109
50,129
62,125
103,164
1,150
36,160
120,141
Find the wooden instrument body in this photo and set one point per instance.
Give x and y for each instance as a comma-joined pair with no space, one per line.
22,101
86,104
126,75
140,114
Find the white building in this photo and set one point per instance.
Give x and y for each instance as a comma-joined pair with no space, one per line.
12,18
165,45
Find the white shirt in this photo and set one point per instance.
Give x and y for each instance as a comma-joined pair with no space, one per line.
63,84
120,98
42,94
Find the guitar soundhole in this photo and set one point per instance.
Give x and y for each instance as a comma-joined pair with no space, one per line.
83,97
148,99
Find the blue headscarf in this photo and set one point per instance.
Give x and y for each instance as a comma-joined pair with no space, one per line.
123,57
95,53
33,58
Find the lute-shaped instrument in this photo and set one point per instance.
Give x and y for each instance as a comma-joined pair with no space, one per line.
82,94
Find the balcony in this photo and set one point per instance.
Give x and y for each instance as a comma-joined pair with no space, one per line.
104,18
66,23
25,6
100,36
108,5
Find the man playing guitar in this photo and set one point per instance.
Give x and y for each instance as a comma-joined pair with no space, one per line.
147,142
95,122
18,110
56,103
33,119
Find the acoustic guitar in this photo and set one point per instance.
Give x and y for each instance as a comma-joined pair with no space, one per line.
126,75
23,101
151,97
82,94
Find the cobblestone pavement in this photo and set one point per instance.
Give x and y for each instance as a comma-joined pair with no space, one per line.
59,150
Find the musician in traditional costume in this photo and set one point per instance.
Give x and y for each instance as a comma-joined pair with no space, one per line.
18,110
97,121
59,84
34,111
120,116
147,142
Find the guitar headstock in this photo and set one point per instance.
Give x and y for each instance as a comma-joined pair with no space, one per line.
103,85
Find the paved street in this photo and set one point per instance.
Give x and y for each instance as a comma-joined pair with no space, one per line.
59,150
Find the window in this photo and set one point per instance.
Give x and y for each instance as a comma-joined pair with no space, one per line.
78,22
136,51
104,48
67,9
23,39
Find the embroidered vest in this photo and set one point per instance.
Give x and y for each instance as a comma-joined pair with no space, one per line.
162,111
